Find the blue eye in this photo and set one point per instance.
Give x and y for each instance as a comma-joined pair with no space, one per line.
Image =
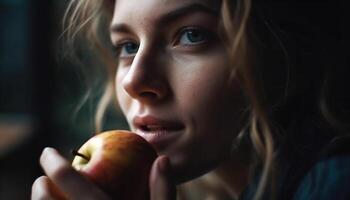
193,37
128,49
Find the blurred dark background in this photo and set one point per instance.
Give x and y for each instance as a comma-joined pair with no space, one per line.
40,90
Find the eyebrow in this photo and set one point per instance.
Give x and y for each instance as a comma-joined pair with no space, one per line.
171,16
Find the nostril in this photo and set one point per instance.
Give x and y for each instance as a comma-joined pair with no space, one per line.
144,128
148,95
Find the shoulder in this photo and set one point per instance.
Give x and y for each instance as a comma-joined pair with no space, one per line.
329,178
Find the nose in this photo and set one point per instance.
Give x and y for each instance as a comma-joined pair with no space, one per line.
145,79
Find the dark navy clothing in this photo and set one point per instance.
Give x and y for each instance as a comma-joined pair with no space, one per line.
313,164
328,179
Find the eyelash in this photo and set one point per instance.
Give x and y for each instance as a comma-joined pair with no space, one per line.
205,36
118,49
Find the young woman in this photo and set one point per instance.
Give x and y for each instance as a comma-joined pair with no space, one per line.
211,86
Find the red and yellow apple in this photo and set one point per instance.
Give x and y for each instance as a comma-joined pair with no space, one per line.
119,162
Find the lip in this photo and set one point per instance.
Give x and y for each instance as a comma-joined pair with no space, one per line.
159,132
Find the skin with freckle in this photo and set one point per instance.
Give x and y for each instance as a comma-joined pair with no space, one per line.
173,66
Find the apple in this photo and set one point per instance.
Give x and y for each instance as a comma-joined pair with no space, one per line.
119,162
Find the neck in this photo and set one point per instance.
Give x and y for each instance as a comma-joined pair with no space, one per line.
225,182
234,175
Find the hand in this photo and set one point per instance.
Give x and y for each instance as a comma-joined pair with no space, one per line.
161,185
62,182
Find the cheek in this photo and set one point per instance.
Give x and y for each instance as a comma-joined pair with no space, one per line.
212,106
203,89
123,98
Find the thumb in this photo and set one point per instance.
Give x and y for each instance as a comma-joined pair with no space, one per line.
161,185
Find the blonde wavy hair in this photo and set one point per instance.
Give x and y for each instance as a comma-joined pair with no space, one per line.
84,19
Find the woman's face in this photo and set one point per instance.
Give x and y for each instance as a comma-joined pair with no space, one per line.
173,81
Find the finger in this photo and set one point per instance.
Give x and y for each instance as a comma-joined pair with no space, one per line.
43,188
161,185
71,182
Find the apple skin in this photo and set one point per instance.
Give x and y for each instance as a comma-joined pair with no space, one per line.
119,163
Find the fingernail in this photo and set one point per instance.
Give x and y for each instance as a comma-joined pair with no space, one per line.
164,164
47,154
48,150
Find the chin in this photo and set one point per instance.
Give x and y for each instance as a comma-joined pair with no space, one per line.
184,170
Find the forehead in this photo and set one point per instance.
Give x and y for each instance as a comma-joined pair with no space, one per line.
150,10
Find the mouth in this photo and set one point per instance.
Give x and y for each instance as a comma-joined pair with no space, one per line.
160,133
154,128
